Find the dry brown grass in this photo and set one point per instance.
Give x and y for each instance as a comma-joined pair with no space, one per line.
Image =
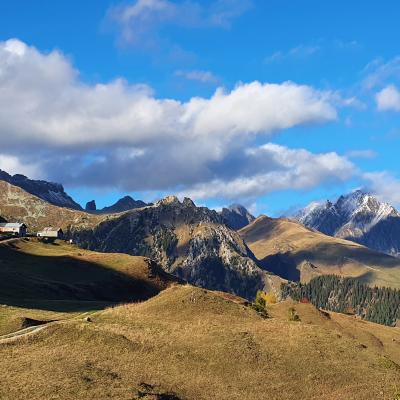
198,345
58,281
299,247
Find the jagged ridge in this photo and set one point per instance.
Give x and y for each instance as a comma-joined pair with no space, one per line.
358,216
53,193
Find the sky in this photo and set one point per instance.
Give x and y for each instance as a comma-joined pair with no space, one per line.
271,104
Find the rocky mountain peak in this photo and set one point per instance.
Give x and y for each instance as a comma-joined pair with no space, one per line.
168,200
357,216
124,204
51,192
91,206
236,216
187,202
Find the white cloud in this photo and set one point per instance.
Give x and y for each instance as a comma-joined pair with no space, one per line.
367,154
140,21
43,101
388,99
198,75
281,168
300,51
13,165
378,72
120,135
385,186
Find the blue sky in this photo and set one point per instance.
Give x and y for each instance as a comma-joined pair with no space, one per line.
120,97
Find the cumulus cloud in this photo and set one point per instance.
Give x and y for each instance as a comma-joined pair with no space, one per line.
385,186
13,165
121,135
388,99
42,100
278,168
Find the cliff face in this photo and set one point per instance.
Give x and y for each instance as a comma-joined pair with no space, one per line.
191,242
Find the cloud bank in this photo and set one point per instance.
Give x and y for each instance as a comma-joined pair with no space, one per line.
120,135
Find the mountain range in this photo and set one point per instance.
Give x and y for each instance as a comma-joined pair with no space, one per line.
191,242
359,217
124,204
201,245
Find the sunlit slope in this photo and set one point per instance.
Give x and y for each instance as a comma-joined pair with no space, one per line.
189,343
298,253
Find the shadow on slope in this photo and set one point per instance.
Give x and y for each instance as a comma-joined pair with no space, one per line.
54,280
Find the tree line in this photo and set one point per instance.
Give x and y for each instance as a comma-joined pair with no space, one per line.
348,295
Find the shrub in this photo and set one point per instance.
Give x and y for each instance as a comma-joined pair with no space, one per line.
270,298
292,315
259,304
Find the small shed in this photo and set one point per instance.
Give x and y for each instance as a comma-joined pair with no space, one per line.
13,228
51,233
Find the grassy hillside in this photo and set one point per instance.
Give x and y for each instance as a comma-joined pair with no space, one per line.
298,253
189,343
51,281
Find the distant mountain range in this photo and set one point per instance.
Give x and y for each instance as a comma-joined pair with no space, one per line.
124,204
230,250
358,216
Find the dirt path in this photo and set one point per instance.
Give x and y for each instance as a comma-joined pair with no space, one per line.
31,330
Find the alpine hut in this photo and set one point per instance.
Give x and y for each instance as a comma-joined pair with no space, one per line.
13,228
51,233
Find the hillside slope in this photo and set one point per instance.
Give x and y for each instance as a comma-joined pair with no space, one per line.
298,253
192,344
18,205
32,271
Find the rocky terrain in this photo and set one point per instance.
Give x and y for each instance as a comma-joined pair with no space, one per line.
236,216
191,242
17,205
51,192
297,253
359,217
